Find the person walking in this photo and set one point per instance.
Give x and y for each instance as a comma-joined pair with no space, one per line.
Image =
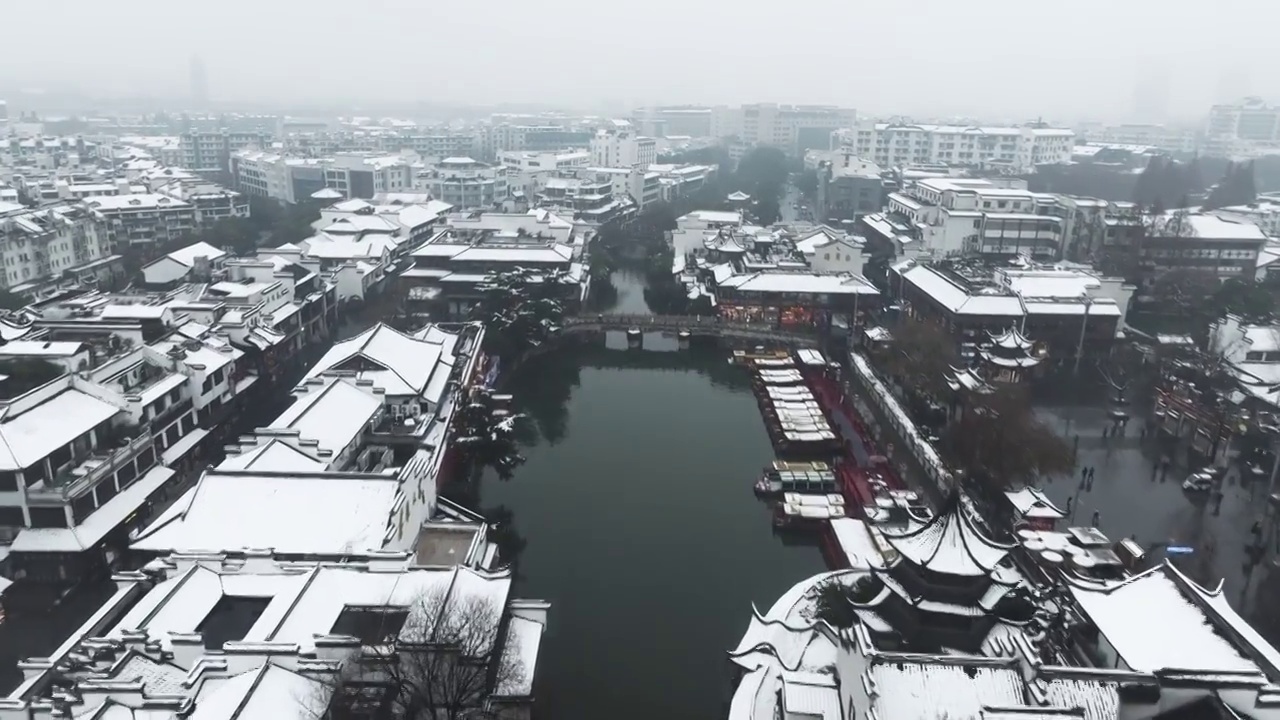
1089,486
1097,518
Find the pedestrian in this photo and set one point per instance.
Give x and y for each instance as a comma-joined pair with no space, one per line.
1070,500
1084,474
1089,485
1097,518
1077,441
1104,432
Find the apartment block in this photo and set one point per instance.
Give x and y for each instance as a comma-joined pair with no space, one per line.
1017,149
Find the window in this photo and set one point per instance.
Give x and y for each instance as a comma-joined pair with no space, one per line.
370,625
8,481
126,475
81,507
48,517
11,517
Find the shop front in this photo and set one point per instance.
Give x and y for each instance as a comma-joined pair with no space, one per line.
750,314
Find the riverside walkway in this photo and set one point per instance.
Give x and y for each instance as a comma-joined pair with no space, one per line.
703,325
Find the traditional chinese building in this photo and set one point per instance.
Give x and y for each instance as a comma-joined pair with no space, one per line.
939,584
1009,357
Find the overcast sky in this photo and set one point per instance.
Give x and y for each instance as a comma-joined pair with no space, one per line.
986,58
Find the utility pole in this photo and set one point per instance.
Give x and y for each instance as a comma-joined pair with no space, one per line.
1084,324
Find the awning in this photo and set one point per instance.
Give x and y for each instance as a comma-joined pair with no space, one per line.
179,450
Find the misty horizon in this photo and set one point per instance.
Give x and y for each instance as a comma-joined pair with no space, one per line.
1138,60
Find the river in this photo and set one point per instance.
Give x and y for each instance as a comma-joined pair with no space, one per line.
641,525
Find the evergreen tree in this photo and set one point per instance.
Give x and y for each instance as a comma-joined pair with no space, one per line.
1248,184
1237,187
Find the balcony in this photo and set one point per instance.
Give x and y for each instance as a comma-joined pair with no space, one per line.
85,472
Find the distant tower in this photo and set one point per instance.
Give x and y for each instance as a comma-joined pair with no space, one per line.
199,83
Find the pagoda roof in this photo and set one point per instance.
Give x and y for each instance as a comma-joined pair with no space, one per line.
950,543
725,241
969,380
1032,502
1010,339
1015,361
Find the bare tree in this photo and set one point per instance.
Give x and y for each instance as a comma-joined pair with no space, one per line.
1007,446
921,355
444,662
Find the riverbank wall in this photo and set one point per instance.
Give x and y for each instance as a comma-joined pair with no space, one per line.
915,458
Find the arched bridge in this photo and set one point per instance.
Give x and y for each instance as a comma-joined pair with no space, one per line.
703,325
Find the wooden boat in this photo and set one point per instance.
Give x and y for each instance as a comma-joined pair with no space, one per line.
794,466
806,517
811,481
747,357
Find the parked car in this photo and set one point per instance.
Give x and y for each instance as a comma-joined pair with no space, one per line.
1202,480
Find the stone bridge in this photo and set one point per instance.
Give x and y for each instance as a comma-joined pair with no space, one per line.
702,325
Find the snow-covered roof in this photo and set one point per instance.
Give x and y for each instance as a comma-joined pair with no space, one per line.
1032,502
801,282
348,247
94,528
1154,622
958,300
275,455
718,217
935,688
187,255
133,311
326,194
330,412
208,357
725,241
267,690
785,637
29,437
304,602
1010,339
138,202
351,224
969,380
400,364
524,639
950,543
1206,226
345,513
1262,338
42,348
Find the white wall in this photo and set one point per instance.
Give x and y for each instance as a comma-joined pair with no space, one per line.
838,257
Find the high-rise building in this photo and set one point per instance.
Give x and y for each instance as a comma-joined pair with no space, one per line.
199,83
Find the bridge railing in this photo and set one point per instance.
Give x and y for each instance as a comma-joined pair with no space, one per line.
645,320
681,322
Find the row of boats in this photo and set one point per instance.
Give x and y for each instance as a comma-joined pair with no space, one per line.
807,490
797,425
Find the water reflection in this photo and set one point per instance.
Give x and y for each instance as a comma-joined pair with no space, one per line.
641,526
624,294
